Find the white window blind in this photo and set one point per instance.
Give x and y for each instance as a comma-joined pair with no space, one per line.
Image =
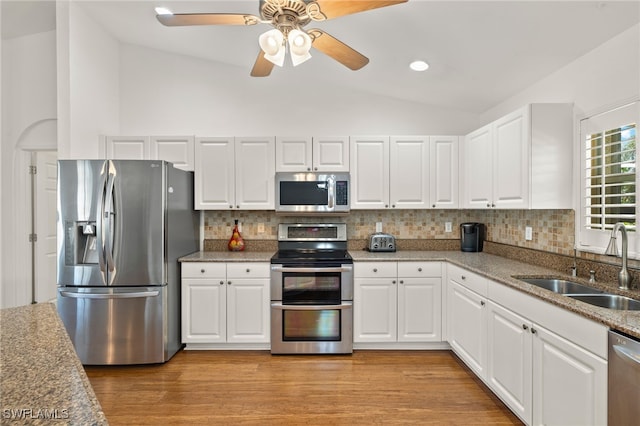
609,181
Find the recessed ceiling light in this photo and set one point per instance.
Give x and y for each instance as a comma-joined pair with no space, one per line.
419,65
163,11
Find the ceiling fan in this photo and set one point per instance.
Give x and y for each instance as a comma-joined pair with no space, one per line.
289,17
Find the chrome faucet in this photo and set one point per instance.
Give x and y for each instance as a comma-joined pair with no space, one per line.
624,278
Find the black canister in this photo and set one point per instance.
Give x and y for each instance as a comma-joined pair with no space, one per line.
471,236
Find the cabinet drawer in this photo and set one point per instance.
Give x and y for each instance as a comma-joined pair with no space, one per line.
248,270
419,269
375,269
203,270
468,279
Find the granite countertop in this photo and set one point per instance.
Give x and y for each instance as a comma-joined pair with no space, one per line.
41,376
494,267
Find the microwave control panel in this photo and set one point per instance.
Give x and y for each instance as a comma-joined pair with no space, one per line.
342,193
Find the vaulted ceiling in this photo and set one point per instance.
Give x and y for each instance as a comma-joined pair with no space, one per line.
479,52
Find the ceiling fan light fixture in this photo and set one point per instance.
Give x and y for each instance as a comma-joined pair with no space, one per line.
299,46
272,44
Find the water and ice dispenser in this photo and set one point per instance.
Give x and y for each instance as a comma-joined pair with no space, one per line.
81,245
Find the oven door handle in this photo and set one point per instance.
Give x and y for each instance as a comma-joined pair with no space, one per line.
281,307
338,269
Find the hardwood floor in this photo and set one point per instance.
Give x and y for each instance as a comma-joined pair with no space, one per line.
255,387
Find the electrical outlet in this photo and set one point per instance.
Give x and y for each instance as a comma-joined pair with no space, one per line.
378,226
528,233
447,227
260,228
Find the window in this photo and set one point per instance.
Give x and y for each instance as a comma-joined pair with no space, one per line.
608,176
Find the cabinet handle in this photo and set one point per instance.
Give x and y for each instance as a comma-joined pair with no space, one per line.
401,281
375,269
433,205
228,282
533,330
393,282
488,205
525,327
237,207
221,282
493,204
463,277
308,169
386,206
419,269
393,206
248,270
202,271
482,303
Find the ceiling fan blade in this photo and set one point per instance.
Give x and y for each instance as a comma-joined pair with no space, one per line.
333,8
262,67
339,51
178,19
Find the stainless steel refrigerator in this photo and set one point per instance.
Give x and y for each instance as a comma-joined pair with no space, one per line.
122,225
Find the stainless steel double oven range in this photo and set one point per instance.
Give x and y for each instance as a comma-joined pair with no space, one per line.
312,290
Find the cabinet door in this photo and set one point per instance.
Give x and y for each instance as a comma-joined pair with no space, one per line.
369,172
293,154
255,173
467,326
331,154
409,172
127,147
178,150
419,310
375,310
248,313
569,383
511,139
204,310
509,359
214,173
443,172
477,169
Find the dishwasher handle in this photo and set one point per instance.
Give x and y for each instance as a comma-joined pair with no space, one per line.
628,356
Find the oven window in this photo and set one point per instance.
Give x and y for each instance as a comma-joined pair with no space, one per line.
320,326
311,288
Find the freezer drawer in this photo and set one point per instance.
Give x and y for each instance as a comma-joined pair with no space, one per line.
122,325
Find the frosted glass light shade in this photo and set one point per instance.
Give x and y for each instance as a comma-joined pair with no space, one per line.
272,44
299,46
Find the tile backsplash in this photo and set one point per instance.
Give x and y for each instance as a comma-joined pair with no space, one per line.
553,230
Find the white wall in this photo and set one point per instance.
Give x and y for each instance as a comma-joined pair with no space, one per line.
607,75
28,98
164,93
89,102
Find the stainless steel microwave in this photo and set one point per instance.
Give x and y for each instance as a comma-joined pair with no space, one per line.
312,193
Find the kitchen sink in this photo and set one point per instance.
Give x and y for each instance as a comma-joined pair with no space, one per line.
561,286
609,301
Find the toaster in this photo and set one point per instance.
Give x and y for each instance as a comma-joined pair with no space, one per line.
381,242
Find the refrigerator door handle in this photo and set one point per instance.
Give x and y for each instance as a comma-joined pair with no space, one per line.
130,295
100,228
108,212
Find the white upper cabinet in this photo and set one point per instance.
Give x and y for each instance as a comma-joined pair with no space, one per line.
409,172
126,147
178,150
318,154
443,173
523,160
404,172
234,173
370,172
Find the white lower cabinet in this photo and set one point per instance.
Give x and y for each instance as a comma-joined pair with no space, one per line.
467,318
397,302
548,365
225,303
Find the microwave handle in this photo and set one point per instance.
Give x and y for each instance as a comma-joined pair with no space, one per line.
332,192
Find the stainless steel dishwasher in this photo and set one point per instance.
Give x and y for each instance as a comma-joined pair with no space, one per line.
624,380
